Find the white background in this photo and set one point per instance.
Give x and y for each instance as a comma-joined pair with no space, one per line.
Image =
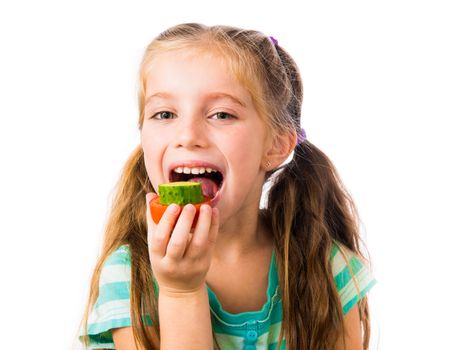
388,95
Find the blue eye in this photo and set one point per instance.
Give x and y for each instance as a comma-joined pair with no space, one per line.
163,115
223,116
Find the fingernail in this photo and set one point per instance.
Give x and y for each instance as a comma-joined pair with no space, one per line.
204,208
189,207
173,208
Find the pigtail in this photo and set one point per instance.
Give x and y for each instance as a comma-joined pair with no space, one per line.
308,208
127,225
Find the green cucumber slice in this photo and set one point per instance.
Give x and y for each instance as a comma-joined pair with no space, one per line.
181,193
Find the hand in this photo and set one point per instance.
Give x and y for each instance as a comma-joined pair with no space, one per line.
179,259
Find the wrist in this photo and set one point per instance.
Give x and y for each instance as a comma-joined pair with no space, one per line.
189,310
174,293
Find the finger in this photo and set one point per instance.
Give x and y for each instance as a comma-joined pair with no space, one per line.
180,236
159,237
199,242
151,225
149,197
215,226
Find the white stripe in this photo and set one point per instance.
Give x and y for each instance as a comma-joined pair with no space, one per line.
263,340
226,341
362,278
274,331
110,310
115,273
262,343
339,262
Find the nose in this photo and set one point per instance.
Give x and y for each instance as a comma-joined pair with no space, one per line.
191,133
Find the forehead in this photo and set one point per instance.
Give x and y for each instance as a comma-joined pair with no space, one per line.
191,73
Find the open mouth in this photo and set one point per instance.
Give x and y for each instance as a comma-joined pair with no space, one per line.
210,179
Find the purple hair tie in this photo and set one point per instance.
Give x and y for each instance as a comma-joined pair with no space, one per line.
301,136
274,40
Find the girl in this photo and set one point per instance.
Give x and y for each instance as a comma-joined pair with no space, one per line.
221,105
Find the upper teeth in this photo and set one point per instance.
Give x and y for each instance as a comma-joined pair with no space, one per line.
195,171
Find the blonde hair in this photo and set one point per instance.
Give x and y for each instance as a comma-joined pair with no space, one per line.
308,208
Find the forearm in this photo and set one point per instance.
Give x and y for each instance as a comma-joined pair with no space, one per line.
184,321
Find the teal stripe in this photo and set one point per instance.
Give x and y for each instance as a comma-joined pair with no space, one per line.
119,257
113,291
350,304
334,250
356,264
343,277
103,327
276,315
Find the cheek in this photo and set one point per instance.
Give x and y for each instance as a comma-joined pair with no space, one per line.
152,170
152,160
148,150
245,157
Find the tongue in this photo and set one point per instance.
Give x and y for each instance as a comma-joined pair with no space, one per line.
209,187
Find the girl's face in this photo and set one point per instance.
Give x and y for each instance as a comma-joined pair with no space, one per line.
200,124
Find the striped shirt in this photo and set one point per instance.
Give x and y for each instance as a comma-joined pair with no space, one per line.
248,330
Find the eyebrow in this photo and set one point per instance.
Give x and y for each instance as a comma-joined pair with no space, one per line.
223,95
211,96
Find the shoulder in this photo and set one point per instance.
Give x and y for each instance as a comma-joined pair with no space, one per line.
352,276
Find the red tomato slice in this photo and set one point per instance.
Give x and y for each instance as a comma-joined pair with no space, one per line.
158,209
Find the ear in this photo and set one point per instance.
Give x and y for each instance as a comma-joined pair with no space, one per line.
279,149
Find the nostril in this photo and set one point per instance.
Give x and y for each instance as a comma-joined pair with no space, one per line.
191,134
